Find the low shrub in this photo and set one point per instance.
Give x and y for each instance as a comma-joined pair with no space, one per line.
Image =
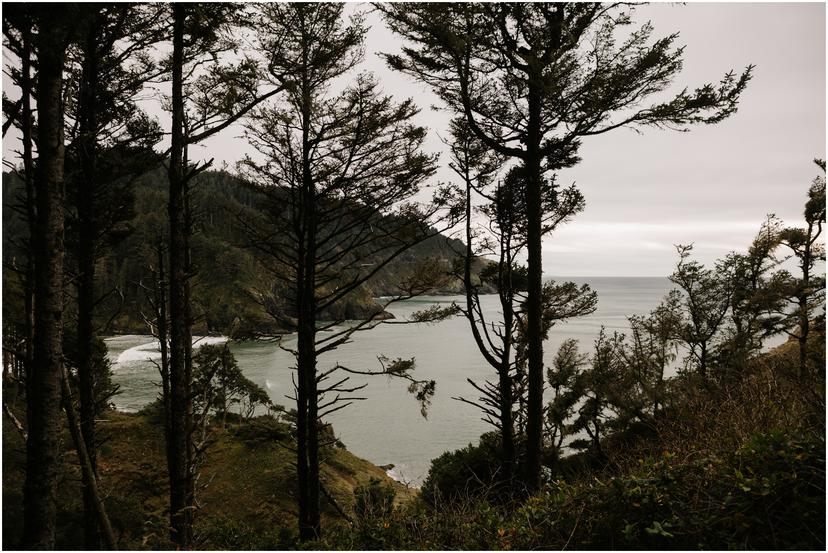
768,494
234,535
468,472
374,499
153,412
261,429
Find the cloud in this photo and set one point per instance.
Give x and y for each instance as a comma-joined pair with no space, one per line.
640,249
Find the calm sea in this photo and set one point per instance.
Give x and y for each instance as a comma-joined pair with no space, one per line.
387,427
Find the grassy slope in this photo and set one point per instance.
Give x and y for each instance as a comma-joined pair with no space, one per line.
243,484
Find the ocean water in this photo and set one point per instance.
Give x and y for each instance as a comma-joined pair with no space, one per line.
387,427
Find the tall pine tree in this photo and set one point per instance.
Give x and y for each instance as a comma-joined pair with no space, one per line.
532,80
339,168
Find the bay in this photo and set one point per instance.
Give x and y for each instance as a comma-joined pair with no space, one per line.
387,427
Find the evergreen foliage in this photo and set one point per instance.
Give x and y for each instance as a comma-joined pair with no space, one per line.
531,81
219,385
679,432
222,297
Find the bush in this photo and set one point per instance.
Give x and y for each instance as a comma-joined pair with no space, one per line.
262,429
767,495
469,472
234,535
373,500
153,412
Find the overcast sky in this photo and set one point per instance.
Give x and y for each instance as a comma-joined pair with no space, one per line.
646,192
711,186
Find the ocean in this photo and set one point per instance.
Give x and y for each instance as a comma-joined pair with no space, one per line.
387,427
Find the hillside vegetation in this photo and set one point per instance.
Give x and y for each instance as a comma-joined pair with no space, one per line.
230,277
737,466
246,486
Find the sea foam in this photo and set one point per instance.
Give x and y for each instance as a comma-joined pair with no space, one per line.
151,351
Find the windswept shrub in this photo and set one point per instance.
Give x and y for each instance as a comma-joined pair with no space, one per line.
770,494
153,412
374,499
262,429
468,472
233,535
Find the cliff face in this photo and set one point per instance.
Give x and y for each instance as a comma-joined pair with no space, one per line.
231,287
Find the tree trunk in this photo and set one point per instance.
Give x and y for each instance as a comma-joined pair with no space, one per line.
28,176
309,519
308,442
160,293
87,153
506,294
804,329
160,302
44,389
703,361
180,333
507,439
804,312
89,473
532,164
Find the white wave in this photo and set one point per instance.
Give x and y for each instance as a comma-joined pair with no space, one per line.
151,351
144,352
199,341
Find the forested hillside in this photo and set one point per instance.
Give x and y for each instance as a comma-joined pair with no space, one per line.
229,279
675,428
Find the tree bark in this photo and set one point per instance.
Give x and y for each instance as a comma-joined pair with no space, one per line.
179,449
308,440
87,154
89,473
532,164
804,311
804,329
507,296
507,437
28,176
43,384
160,294
309,517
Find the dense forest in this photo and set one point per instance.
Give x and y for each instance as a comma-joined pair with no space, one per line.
224,296
682,432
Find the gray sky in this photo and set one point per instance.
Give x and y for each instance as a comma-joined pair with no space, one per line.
645,192
711,186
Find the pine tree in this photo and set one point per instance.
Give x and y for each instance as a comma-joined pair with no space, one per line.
532,80
209,93
757,300
706,297
808,290
110,142
503,236
43,456
339,170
